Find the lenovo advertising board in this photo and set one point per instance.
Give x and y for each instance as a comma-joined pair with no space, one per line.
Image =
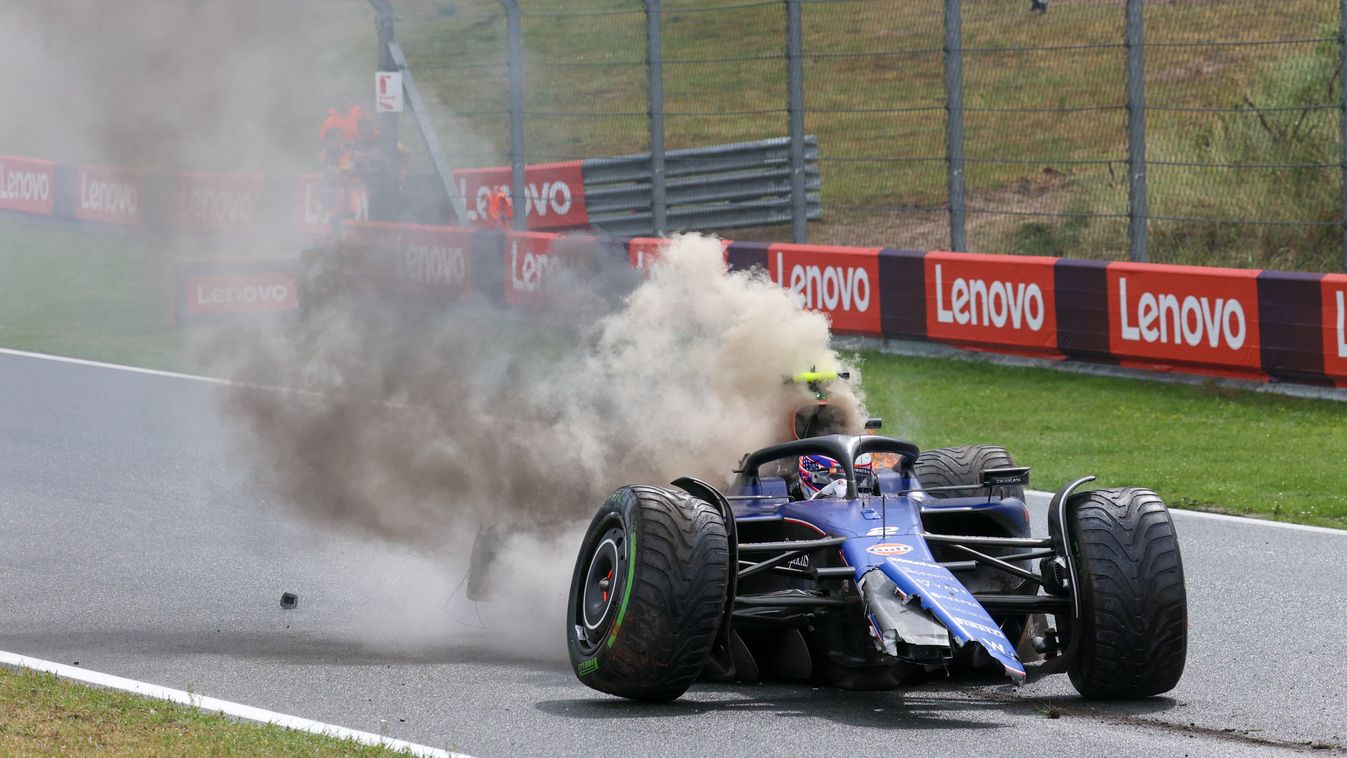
840,281
218,202
110,195
26,185
555,195
214,289
1335,327
1192,316
994,300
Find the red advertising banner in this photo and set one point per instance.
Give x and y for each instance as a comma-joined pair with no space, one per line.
991,299
256,292
428,260
840,281
110,195
219,202
26,185
313,217
647,251
1335,326
528,257
1184,315
556,195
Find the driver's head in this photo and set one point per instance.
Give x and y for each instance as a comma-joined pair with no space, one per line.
818,471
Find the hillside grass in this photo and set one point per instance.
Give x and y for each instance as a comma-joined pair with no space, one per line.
43,715
874,97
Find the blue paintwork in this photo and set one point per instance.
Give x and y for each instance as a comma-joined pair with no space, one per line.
895,520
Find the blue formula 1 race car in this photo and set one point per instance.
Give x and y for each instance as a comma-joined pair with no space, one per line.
820,564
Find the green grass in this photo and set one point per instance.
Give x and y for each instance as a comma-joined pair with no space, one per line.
1196,445
92,293
41,714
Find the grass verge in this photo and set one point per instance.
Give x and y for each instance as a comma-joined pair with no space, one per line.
1196,445
41,714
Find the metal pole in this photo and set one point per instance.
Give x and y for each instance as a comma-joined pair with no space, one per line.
1137,212
799,212
954,155
515,43
1342,89
654,65
381,198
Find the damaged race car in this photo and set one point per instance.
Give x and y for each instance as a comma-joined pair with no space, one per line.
859,561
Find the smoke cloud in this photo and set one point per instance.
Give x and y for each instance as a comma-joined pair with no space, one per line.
421,427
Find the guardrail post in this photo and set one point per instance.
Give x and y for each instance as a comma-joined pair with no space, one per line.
654,64
799,211
382,197
954,155
1342,92
1137,213
515,43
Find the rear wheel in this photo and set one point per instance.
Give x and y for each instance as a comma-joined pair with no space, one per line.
647,593
956,466
952,466
1134,607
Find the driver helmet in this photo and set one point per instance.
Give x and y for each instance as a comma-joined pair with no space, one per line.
818,471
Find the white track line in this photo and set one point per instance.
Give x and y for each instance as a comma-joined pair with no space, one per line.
115,366
1035,496
1040,498
235,710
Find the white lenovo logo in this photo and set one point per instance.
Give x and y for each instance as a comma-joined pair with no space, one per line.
1165,319
977,303
829,288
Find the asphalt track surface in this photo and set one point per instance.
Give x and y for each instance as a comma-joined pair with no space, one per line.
131,544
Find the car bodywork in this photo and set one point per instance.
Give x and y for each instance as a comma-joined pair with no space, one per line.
856,590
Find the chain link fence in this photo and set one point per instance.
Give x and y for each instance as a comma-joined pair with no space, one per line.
1190,132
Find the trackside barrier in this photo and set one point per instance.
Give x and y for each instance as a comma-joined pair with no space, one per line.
1246,323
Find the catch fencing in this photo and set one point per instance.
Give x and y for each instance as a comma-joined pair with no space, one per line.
1196,132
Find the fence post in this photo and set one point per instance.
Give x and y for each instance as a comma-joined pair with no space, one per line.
654,65
954,155
799,212
515,46
381,197
1342,91
1137,212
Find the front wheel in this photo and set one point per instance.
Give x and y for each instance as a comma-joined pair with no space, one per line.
1134,607
647,593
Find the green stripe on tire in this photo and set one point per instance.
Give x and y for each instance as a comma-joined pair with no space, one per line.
626,591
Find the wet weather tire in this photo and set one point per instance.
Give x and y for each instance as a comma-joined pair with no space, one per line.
1134,607
647,593
951,466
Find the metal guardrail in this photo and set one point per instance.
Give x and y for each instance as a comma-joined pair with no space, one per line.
730,186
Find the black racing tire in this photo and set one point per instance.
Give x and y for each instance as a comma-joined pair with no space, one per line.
951,466
647,632
1134,608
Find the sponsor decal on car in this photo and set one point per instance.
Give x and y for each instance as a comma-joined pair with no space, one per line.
992,299
110,195
26,185
555,194
883,531
1184,314
840,281
889,548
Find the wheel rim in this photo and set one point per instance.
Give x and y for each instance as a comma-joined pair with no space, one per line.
597,596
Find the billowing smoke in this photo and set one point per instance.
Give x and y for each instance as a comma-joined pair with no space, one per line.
421,427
